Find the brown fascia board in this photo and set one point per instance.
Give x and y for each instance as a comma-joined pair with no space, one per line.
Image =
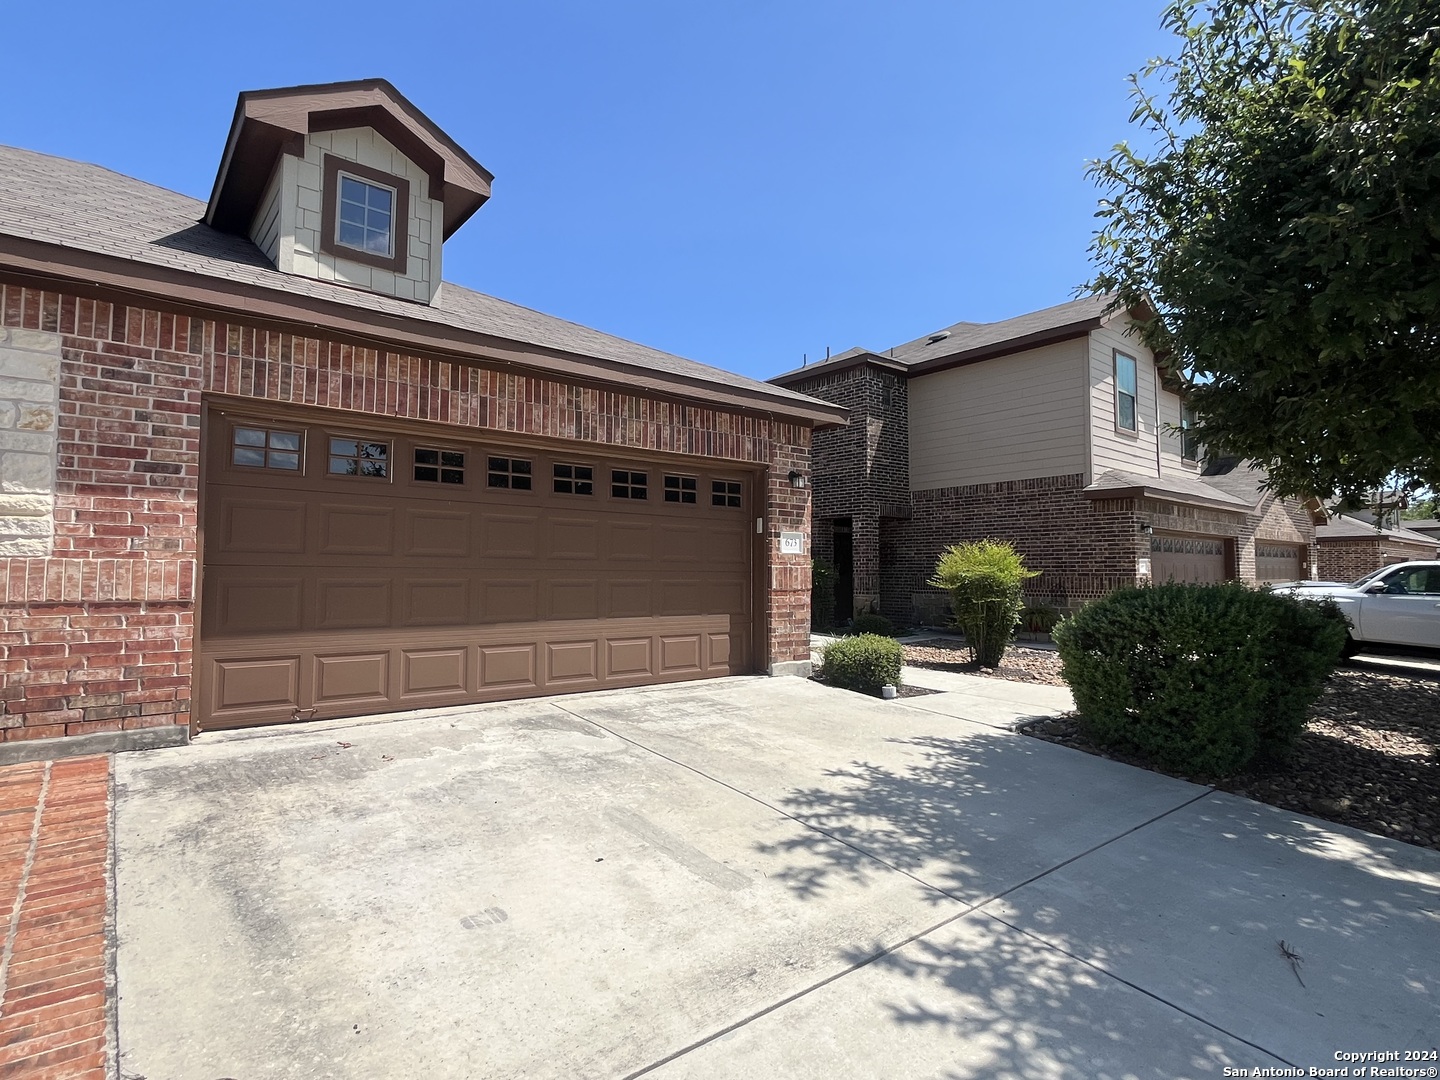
1142,492
1005,348
799,375
268,123
180,290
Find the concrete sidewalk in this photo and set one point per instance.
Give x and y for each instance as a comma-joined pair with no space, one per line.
740,878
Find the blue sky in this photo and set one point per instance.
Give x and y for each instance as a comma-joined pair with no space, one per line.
740,182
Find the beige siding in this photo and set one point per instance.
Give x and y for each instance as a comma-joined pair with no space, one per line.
266,229
292,238
1012,418
1113,448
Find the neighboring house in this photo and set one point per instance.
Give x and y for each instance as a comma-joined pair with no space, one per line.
260,462
1428,526
1056,431
1350,547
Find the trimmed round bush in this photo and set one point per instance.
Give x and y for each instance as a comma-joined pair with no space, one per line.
865,663
1202,679
872,624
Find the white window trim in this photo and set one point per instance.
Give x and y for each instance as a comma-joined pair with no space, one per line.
344,174
1135,397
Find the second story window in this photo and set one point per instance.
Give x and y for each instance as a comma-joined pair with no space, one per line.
1124,392
1189,445
365,215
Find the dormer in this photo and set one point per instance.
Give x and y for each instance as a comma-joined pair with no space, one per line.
346,182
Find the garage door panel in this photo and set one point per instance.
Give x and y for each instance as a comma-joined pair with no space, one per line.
679,544
434,671
630,541
508,667
1196,559
628,598
680,596
259,683
509,536
437,534
570,599
353,603
269,526
435,601
1278,562
573,538
332,596
509,600
571,662
248,605
680,653
626,658
356,530
353,678
726,548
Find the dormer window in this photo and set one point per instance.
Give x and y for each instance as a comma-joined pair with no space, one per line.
365,215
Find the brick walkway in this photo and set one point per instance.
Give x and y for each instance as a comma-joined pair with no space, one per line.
54,905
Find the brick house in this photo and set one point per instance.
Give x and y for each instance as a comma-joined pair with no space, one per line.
1056,431
259,462
1350,548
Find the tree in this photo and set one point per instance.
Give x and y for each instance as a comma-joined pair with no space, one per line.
1283,234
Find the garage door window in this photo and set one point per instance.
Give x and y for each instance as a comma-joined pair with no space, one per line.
574,479
725,493
680,489
628,484
513,473
359,457
266,448
434,466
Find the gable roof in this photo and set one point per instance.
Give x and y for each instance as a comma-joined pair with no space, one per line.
271,122
969,342
83,223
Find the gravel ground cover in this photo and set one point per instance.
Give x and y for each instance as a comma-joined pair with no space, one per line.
1369,756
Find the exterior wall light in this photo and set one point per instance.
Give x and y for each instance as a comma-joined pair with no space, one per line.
1147,530
797,479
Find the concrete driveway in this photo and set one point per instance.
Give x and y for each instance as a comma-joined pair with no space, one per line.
750,877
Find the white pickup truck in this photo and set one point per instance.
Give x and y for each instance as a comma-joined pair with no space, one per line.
1395,605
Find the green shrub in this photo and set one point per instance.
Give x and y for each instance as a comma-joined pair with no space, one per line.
984,581
871,623
1202,679
822,594
864,663
1039,618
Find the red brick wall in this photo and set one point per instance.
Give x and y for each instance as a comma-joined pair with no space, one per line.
99,635
1083,548
1353,557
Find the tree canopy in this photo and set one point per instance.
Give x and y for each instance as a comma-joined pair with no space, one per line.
1282,231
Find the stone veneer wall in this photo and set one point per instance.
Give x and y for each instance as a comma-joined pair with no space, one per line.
29,407
96,634
1351,558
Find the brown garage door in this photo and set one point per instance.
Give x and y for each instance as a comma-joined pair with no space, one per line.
1277,562
1187,558
353,569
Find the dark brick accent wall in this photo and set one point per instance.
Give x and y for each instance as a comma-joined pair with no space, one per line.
862,471
1352,558
1083,548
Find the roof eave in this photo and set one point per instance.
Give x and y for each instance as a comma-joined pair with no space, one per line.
174,288
1050,336
802,374
1143,491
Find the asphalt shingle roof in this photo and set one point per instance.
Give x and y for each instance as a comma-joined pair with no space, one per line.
89,208
1174,486
1348,528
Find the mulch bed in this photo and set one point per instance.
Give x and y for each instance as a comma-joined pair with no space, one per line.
1369,756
